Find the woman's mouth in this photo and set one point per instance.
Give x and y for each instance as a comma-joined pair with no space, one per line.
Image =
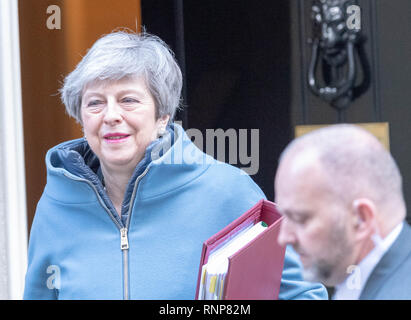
115,137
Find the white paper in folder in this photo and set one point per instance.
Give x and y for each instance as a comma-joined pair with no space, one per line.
214,271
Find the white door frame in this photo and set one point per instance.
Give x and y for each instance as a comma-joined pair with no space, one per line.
12,149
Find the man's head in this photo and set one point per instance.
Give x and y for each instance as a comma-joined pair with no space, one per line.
336,187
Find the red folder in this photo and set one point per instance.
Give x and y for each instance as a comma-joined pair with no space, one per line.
254,272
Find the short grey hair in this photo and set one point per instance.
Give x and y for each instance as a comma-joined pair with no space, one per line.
123,54
357,164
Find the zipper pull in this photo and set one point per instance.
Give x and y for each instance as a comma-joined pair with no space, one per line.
124,239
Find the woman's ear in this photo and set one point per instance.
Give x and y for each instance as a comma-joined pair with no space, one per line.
162,124
364,218
164,120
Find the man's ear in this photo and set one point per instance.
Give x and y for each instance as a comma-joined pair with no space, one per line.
364,218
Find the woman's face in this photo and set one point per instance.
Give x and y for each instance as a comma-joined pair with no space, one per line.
119,121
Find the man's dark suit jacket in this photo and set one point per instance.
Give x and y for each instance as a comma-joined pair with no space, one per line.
391,278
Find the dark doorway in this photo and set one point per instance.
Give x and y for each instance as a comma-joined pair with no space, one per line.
237,69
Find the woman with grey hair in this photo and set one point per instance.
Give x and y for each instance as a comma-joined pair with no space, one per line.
127,207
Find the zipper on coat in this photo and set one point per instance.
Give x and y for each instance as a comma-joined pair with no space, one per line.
124,239
124,244
124,248
123,235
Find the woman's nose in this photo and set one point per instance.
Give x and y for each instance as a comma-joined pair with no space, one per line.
113,114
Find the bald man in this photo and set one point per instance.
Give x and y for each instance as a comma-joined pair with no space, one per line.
340,192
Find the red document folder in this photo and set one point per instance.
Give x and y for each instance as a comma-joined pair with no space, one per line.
254,272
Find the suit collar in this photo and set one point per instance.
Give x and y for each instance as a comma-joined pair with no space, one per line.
391,260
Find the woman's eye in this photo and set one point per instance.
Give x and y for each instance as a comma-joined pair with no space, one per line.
94,103
129,100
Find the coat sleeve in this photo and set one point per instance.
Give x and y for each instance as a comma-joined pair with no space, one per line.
293,285
42,276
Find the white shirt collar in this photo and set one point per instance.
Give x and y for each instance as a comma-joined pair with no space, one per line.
351,287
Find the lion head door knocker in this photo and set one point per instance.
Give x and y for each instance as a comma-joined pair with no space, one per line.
335,46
